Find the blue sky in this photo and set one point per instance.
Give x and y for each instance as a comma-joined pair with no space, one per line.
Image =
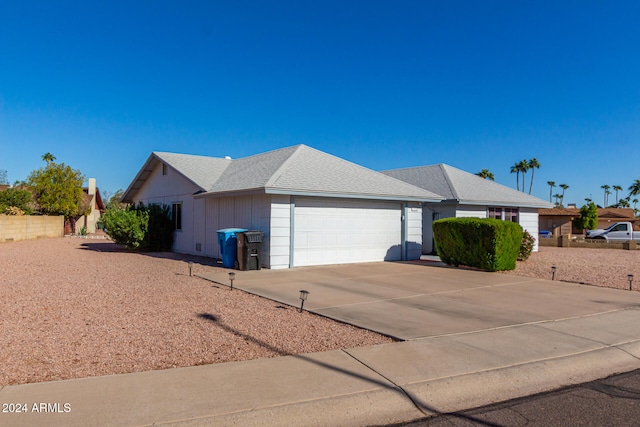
385,84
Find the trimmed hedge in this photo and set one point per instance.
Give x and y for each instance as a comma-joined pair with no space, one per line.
485,243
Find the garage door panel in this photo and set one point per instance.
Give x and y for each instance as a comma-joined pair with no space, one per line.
341,231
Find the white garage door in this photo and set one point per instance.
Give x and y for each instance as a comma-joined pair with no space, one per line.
334,231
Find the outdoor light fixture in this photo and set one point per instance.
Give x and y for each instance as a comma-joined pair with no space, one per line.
553,272
232,276
190,268
303,297
630,279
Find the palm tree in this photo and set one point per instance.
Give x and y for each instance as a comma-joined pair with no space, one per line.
588,200
557,197
524,167
516,169
606,192
48,157
533,165
634,189
486,174
564,188
635,202
551,184
617,188
623,203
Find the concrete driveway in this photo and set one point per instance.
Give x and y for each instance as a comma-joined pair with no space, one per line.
416,300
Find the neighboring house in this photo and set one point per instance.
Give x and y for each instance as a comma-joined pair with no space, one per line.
314,208
468,195
560,220
93,203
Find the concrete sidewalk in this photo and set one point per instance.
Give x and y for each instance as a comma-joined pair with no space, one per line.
479,363
365,386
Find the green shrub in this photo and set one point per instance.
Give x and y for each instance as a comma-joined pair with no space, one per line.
159,236
526,246
17,198
485,243
145,228
126,226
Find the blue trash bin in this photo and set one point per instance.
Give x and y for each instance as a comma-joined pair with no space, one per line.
228,242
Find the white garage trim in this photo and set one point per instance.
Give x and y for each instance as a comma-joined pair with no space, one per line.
339,231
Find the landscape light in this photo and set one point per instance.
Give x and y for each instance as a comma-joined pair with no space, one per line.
303,297
232,276
190,268
630,279
553,272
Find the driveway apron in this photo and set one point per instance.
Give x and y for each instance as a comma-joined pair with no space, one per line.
417,300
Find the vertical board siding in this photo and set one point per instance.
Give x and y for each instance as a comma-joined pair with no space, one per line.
529,221
414,231
280,232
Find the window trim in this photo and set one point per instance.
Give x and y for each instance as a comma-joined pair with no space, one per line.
506,213
176,215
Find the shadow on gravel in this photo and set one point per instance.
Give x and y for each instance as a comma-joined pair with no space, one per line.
419,404
114,247
212,318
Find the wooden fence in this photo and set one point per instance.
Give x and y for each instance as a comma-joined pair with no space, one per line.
14,228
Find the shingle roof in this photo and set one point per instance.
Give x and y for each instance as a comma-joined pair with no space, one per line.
293,170
455,184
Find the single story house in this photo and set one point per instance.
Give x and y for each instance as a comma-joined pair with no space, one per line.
560,220
314,208
467,195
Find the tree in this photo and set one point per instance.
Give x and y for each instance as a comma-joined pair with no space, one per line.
606,193
634,189
3,177
564,188
48,157
551,184
516,169
623,203
558,197
524,167
57,189
617,188
533,165
486,174
113,200
588,219
635,202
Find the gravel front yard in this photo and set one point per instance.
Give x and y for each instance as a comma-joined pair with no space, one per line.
75,308
599,267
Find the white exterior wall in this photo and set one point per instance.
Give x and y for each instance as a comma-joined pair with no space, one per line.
280,231
413,220
428,212
168,189
249,212
529,221
471,211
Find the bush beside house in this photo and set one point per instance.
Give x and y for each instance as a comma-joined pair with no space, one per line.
485,243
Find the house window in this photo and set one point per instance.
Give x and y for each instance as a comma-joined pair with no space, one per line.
506,214
176,215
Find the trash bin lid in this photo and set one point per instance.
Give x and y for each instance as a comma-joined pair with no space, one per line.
253,236
232,230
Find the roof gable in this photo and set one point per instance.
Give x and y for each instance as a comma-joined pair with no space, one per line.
298,170
464,187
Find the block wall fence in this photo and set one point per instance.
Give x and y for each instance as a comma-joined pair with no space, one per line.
14,228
